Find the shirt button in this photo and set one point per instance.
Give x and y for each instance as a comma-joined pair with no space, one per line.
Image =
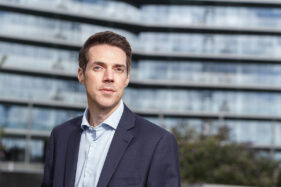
89,171
93,145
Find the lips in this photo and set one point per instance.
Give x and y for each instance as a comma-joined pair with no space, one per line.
107,90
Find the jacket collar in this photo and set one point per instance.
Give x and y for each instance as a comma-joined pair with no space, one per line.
72,152
119,144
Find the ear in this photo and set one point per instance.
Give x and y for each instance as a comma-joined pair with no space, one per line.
127,80
81,76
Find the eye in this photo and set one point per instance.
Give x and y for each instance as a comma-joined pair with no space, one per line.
97,68
120,69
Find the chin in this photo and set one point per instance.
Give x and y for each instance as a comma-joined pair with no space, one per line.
107,103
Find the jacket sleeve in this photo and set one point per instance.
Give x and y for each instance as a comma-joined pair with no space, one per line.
49,164
164,169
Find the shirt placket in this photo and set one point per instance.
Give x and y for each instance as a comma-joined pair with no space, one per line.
89,170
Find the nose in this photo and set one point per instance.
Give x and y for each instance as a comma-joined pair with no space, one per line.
108,76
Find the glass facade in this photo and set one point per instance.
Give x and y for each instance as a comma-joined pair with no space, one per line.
36,118
42,28
234,102
211,44
34,73
74,32
208,72
16,147
30,56
41,88
165,14
212,15
261,132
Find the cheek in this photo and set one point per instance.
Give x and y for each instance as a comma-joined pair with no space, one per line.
122,87
91,86
125,82
92,80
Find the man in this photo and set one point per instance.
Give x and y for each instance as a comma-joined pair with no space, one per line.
109,145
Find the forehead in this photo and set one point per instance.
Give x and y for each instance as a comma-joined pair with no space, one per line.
106,54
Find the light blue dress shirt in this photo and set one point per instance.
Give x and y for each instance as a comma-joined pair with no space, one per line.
94,145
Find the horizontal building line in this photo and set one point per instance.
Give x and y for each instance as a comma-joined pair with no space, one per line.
239,30
135,26
208,86
25,132
21,167
267,147
45,134
52,43
235,3
208,115
204,57
148,83
140,54
39,72
37,168
147,112
42,103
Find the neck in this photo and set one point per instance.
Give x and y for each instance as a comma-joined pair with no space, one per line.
98,114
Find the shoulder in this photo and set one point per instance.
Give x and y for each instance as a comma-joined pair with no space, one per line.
142,124
151,130
68,126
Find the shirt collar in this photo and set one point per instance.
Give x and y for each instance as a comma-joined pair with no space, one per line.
112,120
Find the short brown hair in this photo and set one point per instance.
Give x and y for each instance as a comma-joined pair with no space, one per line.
109,38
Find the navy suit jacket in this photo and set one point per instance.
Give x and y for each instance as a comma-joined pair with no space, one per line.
141,155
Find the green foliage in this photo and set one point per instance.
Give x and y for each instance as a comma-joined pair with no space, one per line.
215,159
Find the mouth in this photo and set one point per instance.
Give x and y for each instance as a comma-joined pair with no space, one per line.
107,90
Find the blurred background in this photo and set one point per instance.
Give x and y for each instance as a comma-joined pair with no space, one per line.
207,70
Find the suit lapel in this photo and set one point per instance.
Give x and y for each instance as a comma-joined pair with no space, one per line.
120,142
72,155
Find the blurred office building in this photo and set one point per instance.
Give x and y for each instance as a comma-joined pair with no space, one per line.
203,64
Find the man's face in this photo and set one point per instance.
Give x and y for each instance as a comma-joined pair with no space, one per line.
105,76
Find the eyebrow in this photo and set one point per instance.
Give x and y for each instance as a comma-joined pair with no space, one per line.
103,63
120,65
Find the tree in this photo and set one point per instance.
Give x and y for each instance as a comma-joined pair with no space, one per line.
215,159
